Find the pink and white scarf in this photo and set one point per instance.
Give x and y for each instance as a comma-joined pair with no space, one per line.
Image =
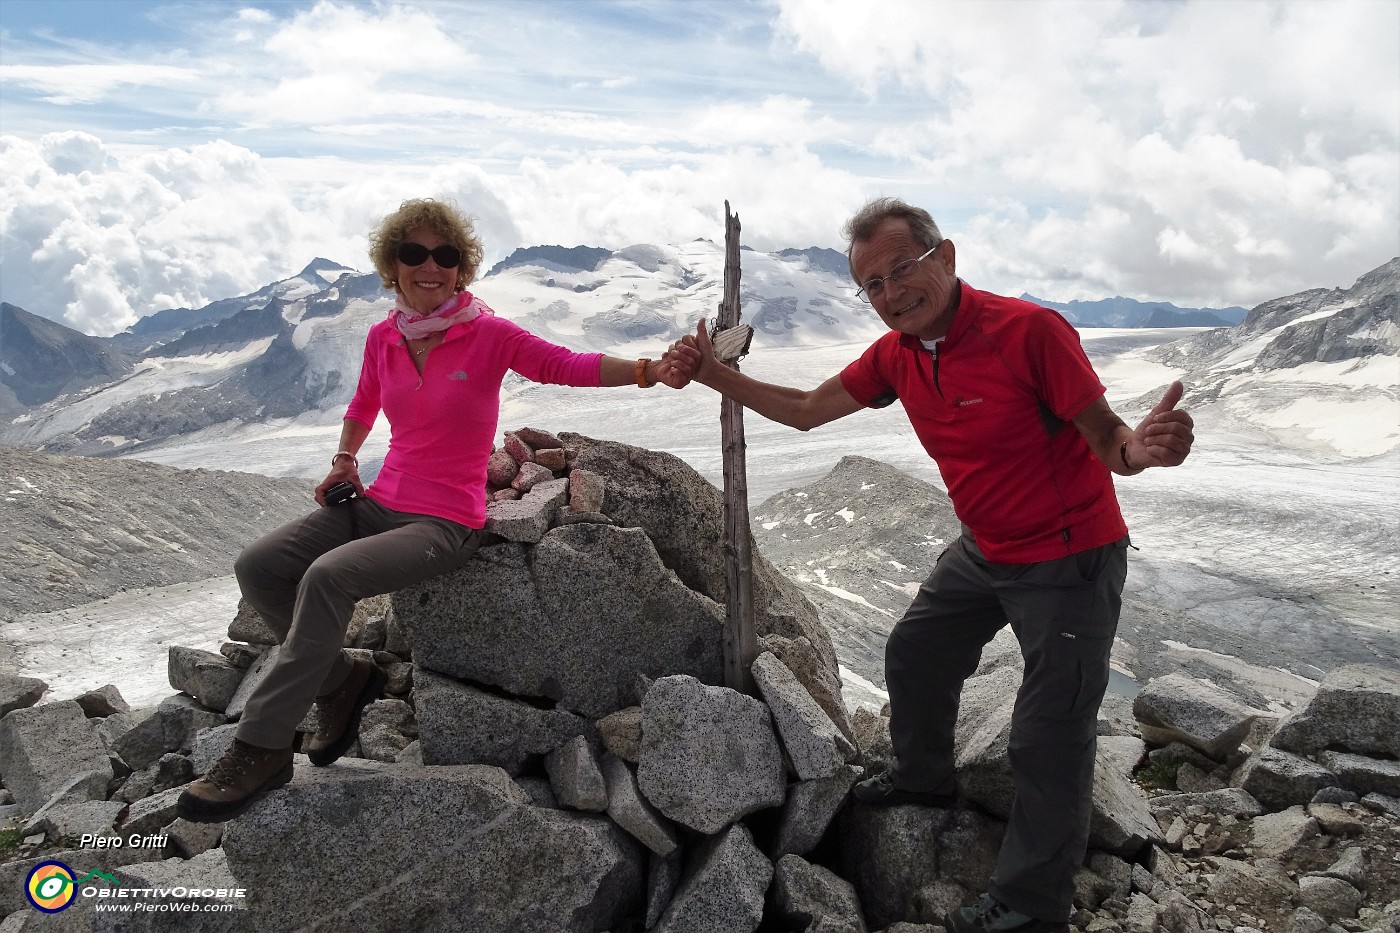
461,307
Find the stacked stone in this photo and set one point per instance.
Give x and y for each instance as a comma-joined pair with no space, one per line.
531,486
700,808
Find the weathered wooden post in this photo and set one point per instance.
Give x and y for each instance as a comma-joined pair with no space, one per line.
740,641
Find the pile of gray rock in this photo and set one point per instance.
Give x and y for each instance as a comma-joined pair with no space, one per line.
555,753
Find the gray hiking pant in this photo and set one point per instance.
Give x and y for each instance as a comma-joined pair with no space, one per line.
304,579
1064,613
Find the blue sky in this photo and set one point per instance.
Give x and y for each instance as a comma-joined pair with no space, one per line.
1207,153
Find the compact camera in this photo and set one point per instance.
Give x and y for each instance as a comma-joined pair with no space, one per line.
341,492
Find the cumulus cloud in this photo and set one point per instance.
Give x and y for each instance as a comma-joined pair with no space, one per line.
96,241
1201,154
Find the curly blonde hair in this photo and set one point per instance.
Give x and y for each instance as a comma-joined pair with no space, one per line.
441,217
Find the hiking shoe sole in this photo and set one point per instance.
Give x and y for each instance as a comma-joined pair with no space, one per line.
203,811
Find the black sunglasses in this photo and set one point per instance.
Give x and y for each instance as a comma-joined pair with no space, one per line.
415,254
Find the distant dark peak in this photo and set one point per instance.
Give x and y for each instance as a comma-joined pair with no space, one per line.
581,258
1166,317
234,330
1129,312
41,359
819,257
319,265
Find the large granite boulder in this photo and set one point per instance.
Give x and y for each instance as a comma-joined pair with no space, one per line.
709,754
459,724
1178,708
18,692
683,514
572,620
723,889
43,747
1356,709
1279,779
816,747
904,860
425,849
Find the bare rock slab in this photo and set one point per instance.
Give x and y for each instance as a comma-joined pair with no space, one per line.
1363,774
459,724
1279,779
816,747
709,754
805,894
575,776
490,862
630,810
892,855
1356,709
1179,708
512,618
204,675
681,512
809,810
19,692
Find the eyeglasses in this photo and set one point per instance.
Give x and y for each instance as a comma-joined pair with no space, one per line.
415,254
874,288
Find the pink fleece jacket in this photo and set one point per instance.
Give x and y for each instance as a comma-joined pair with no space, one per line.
441,427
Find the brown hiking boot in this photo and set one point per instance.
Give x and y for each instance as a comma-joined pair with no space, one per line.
338,712
236,781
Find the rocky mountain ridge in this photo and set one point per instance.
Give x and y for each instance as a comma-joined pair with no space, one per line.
1128,312
183,370
41,360
860,541
79,529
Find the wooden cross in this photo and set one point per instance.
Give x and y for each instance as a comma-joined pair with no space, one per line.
740,641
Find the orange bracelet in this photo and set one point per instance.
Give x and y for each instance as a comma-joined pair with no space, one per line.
642,381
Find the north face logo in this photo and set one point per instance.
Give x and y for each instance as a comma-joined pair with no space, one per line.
459,376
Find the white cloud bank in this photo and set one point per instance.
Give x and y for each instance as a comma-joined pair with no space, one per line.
1198,152
1211,151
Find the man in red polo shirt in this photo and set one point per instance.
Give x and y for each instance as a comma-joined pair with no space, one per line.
1003,398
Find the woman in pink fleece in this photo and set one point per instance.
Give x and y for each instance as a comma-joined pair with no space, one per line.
434,367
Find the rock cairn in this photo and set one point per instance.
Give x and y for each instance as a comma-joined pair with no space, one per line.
531,484
554,754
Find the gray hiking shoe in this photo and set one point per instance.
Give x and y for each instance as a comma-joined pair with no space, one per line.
992,916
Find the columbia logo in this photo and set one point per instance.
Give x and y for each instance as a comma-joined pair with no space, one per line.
459,376
964,402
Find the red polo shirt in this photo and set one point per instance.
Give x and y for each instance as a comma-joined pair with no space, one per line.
994,408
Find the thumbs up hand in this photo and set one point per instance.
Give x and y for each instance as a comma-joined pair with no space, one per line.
1164,437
